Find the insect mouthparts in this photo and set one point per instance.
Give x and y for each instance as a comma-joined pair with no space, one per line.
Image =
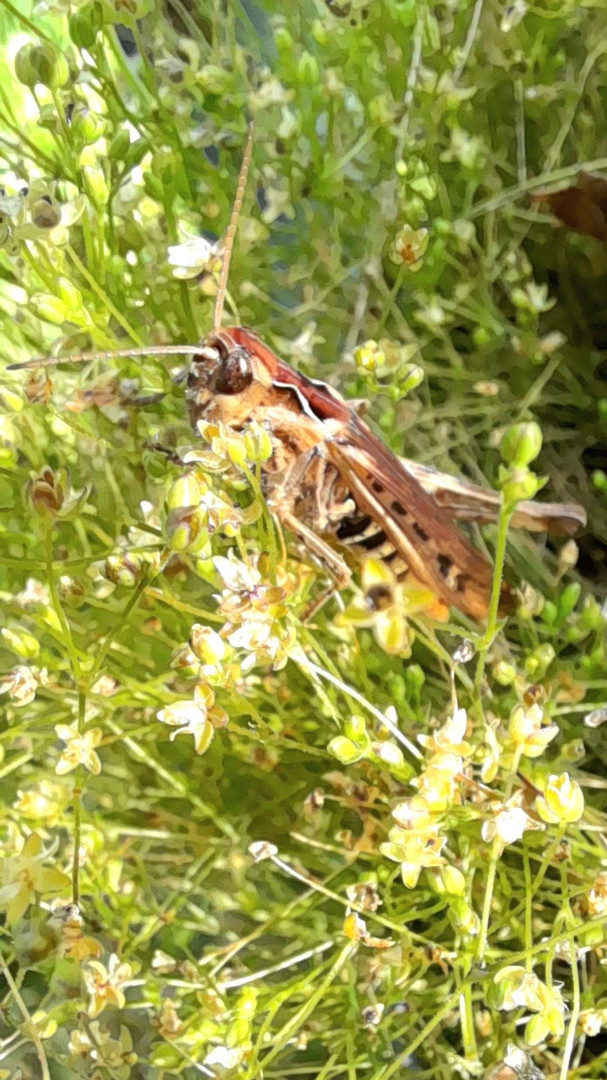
207,352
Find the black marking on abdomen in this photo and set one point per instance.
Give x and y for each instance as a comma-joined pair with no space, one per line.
420,532
445,564
353,526
375,540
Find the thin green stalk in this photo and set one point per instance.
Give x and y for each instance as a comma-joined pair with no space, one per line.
33,27
56,604
103,296
486,641
293,1025
466,1014
29,1026
488,898
79,778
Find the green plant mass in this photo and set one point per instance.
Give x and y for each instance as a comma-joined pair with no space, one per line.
240,839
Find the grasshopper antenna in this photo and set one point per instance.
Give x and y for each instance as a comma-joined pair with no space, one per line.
88,357
166,350
231,231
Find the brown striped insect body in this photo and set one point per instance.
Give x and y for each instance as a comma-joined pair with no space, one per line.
330,480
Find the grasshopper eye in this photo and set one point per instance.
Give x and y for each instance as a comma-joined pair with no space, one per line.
235,373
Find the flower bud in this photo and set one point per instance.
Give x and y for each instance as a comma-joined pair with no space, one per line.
283,39
184,492
521,444
184,661
599,479
568,599
356,729
258,443
518,484
214,79
308,70
119,145
369,357
388,753
71,590
504,673
185,529
48,491
452,881
344,750
21,643
568,555
42,63
83,26
50,308
45,212
562,801
538,662
69,294
207,645
47,117
411,378
87,126
95,185
123,569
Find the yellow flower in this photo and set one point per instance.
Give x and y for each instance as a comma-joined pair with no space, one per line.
23,875
100,1049
562,801
20,684
265,640
521,989
450,736
415,851
105,984
227,448
528,731
388,604
550,1020
79,749
413,813
437,784
197,718
44,803
168,1023
410,247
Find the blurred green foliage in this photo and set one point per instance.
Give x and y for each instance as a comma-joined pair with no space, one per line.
396,147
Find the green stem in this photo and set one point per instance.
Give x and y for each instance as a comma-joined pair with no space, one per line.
33,27
111,307
486,641
467,1024
56,604
30,1028
484,931
79,776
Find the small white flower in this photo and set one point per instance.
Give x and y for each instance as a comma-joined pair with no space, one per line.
192,257
237,576
224,1058
509,825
